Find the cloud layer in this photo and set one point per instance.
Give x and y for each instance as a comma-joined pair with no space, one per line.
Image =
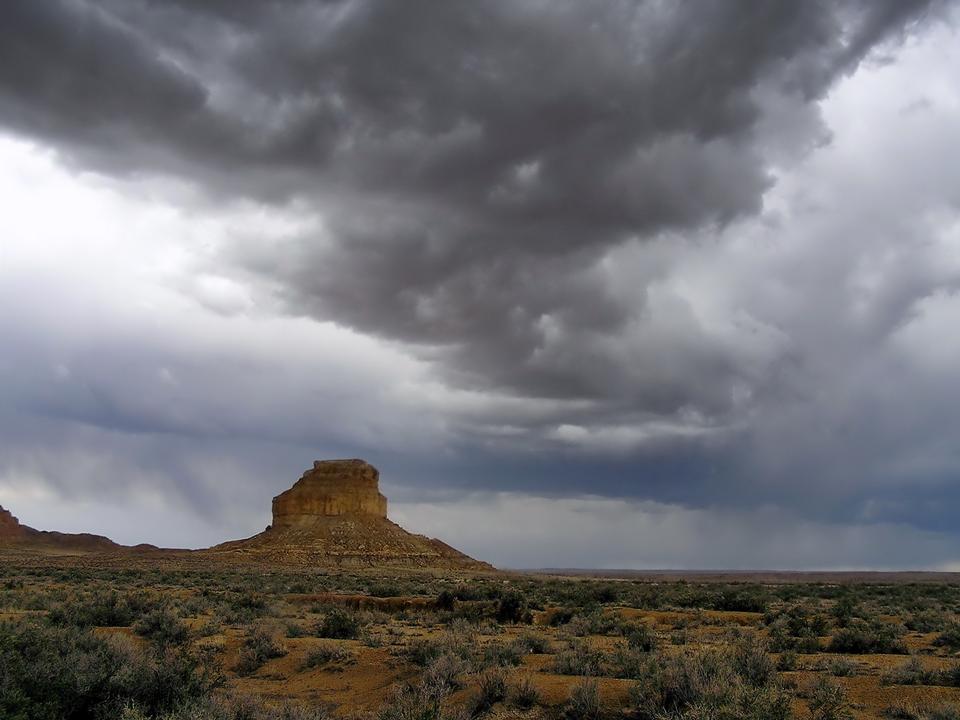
703,255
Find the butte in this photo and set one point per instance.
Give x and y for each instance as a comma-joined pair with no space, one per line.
335,515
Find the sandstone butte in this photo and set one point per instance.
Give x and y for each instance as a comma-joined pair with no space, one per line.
333,516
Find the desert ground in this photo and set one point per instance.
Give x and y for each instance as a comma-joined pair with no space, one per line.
88,636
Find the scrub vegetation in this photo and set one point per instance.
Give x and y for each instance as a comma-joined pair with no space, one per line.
145,643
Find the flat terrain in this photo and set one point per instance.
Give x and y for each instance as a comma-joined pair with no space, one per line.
100,636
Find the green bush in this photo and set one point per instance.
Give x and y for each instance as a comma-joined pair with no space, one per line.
950,637
491,689
512,608
578,659
327,653
100,609
751,662
56,673
584,702
787,661
707,684
640,638
163,627
530,642
828,702
862,639
525,695
339,624
261,645
501,655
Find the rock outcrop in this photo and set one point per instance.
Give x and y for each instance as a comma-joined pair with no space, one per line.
15,534
335,515
331,488
10,527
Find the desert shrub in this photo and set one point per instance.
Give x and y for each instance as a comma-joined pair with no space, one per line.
949,638
595,622
751,661
51,673
530,642
512,608
860,638
706,684
327,653
491,689
296,630
912,672
241,607
626,663
423,652
828,701
209,627
605,594
911,711
100,609
238,708
474,613
383,590
752,599
795,628
640,637
163,627
501,655
787,661
414,702
926,621
584,702
444,672
445,600
560,616
459,640
339,624
578,658
525,694
842,668
844,610
261,645
909,673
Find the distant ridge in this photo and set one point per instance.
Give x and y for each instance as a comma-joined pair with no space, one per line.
13,533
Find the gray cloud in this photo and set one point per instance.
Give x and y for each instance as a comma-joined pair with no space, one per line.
639,250
473,163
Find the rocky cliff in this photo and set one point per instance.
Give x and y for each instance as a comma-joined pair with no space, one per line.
10,527
331,488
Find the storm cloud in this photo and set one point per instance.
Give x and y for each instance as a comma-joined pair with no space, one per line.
703,255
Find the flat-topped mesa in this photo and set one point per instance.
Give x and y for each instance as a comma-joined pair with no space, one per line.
331,488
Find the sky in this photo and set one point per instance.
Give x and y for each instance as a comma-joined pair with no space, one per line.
593,283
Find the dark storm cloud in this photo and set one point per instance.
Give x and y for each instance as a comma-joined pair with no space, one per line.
473,161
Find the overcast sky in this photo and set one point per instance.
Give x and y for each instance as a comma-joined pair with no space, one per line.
598,283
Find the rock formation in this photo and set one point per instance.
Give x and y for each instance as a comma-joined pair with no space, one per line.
335,515
13,533
331,488
10,527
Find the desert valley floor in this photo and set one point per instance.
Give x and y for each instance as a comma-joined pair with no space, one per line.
138,637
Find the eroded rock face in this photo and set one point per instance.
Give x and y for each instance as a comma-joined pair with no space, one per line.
10,527
331,488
